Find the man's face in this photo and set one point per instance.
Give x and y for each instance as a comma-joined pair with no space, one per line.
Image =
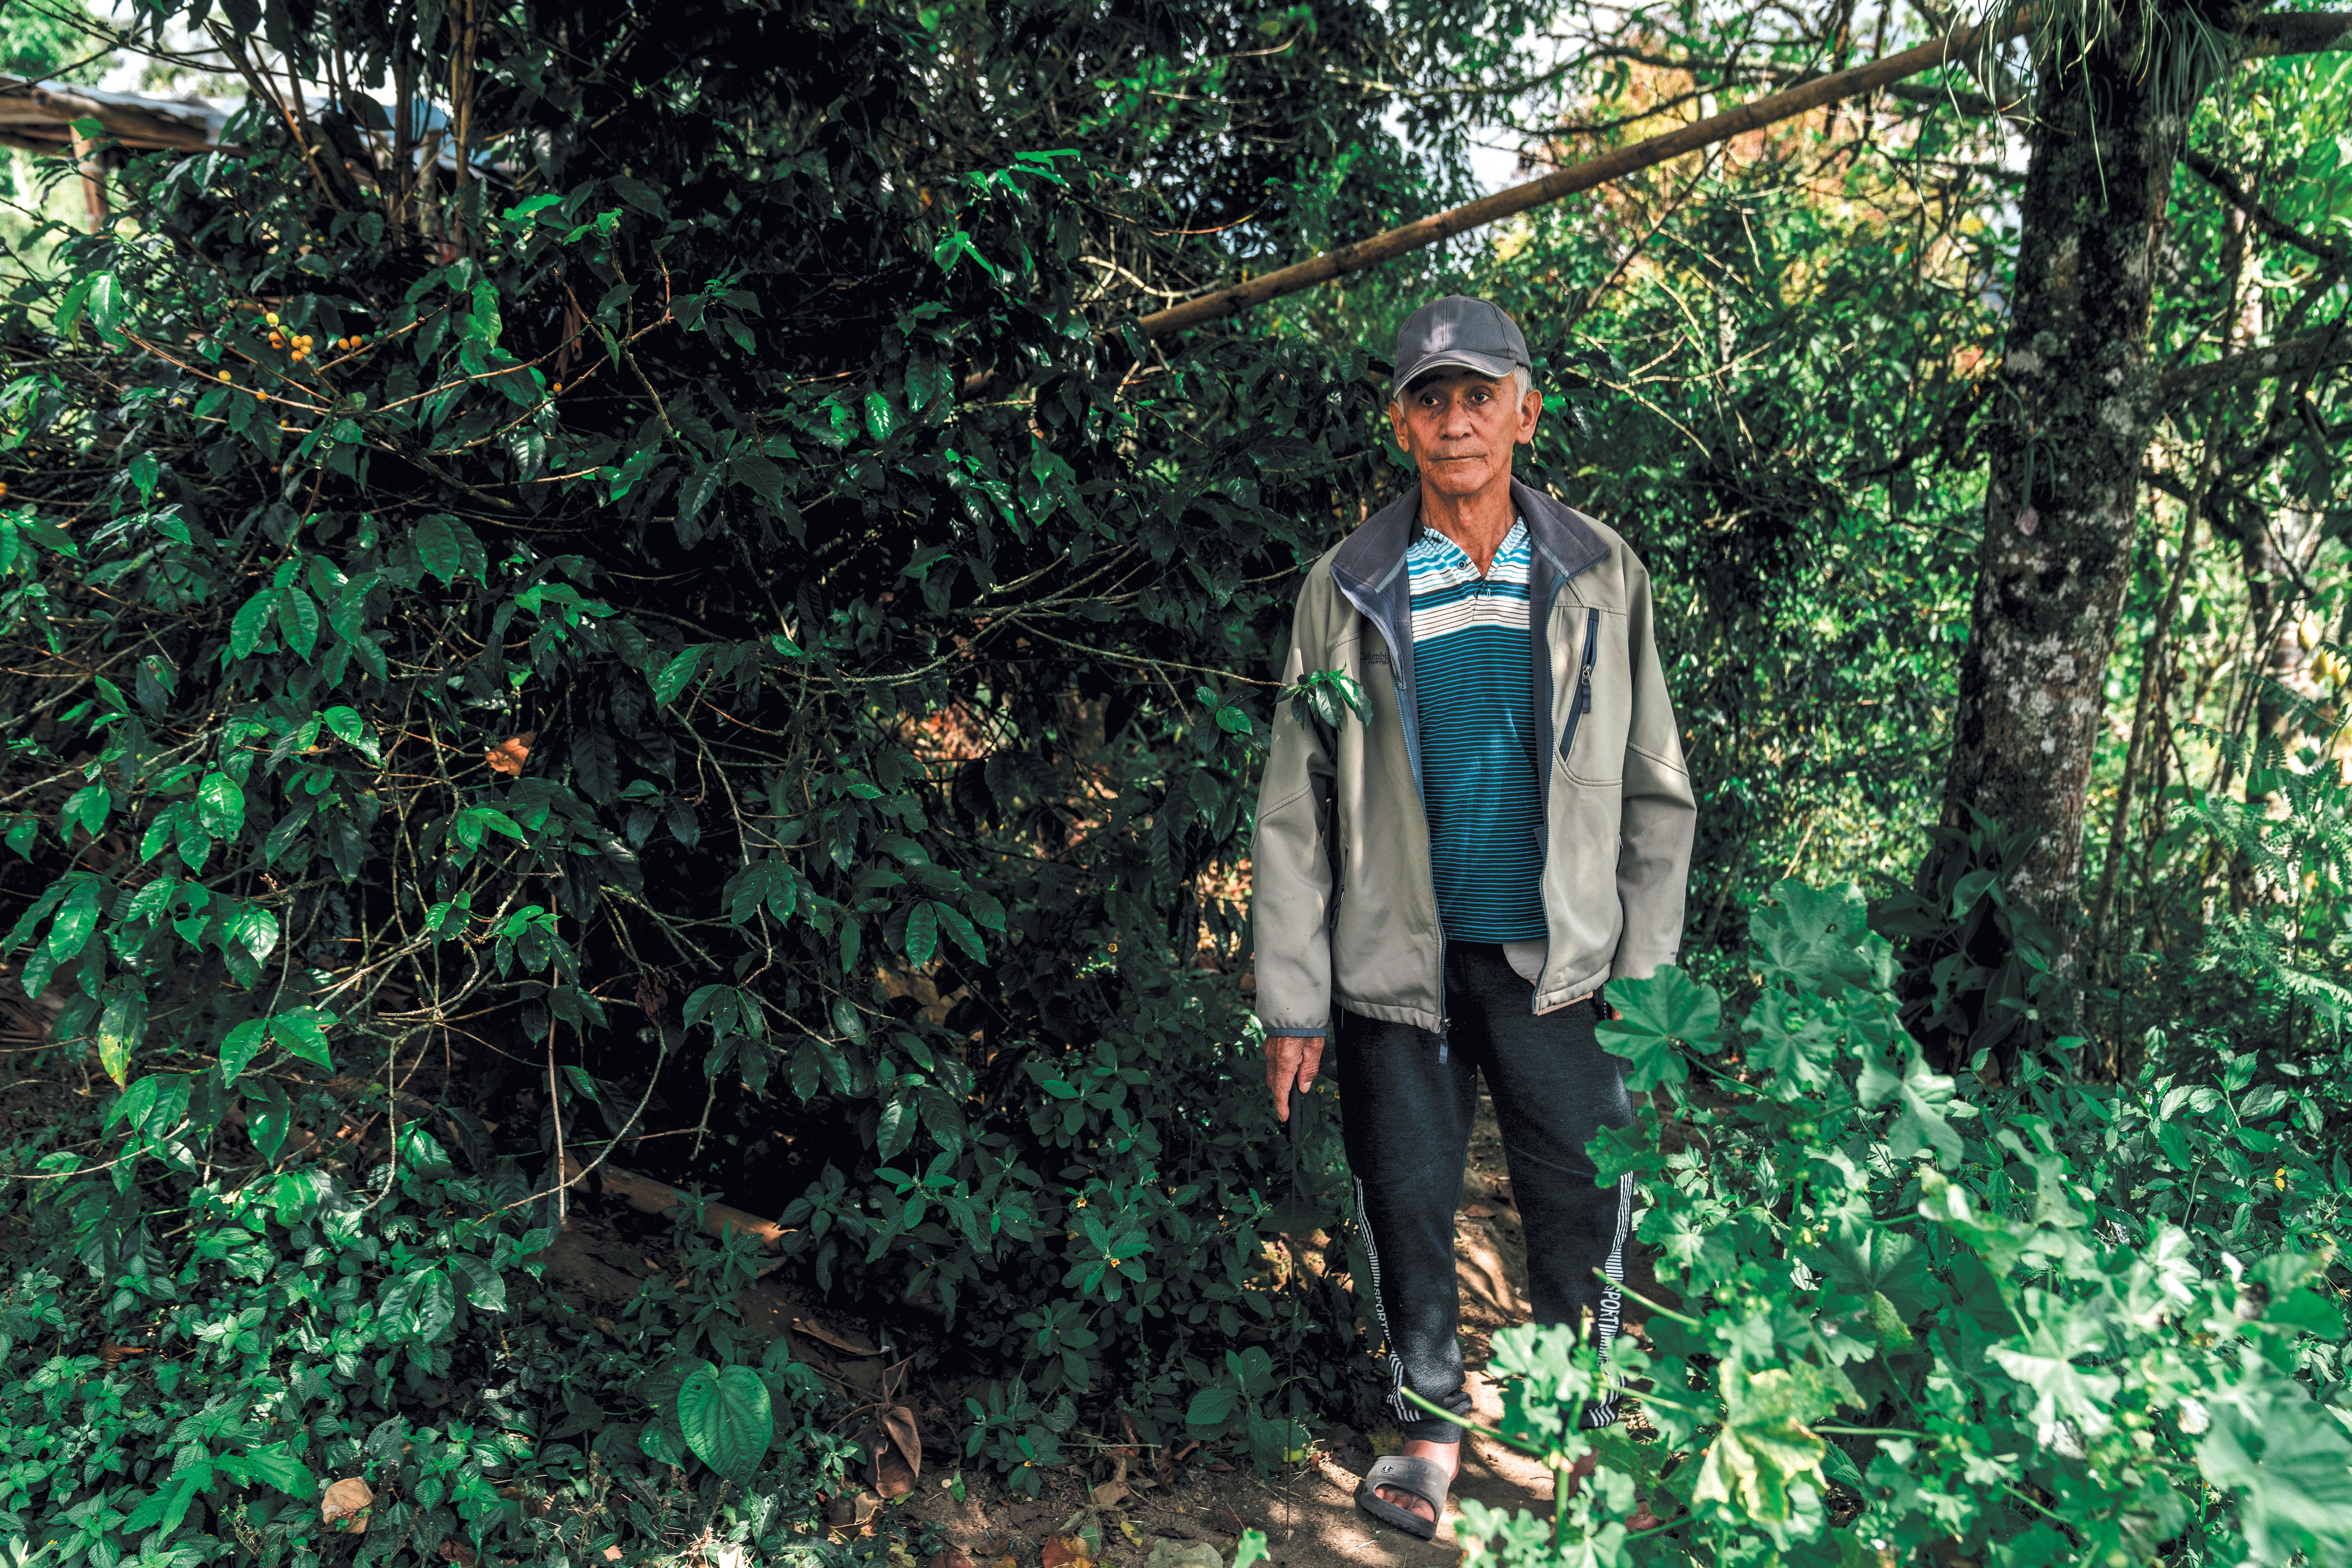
1459,428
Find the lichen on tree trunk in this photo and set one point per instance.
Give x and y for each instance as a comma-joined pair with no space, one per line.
2070,420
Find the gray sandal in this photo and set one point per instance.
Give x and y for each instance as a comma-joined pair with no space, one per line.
1424,1478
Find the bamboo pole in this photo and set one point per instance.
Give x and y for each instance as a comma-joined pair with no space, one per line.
1613,165
2277,33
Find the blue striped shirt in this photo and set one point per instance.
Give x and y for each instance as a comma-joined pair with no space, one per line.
1473,673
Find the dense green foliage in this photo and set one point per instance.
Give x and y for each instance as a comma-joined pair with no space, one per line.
876,653
661,614
2054,1323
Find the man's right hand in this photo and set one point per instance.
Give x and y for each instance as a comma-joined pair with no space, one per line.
1291,1060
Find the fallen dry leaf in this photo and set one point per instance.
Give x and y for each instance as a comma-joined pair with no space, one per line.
1068,1551
953,1557
1113,1491
898,1421
889,1474
1005,1562
509,755
849,1342
345,1506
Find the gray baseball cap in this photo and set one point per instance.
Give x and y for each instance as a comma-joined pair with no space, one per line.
1457,330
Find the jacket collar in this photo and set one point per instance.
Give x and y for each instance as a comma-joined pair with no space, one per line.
1373,554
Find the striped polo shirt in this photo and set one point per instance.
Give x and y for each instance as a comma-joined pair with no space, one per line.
1479,737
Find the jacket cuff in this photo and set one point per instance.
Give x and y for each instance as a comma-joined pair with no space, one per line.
1276,1032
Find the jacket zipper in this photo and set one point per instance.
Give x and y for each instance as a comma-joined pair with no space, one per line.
1445,1022
1583,703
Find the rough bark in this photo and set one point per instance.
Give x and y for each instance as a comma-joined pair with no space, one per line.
2071,419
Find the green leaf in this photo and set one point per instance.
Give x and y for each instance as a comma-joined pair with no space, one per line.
2308,1313
1211,1411
220,805
77,917
922,934
1798,1044
882,417
674,674
484,1285
167,1505
484,323
273,1466
1323,694
2057,1332
419,1307
896,1129
955,247
1820,940
436,546
1766,1448
768,881
726,1418
927,382
960,930
2292,1468
253,620
120,1029
297,620
1922,1096
638,195
241,1044
660,1442
86,808
696,493
303,1032
272,1119
1655,1017
1867,1258
762,477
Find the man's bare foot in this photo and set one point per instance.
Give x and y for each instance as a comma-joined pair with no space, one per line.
1447,1455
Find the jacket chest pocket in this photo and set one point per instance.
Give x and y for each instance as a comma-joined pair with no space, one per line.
1595,698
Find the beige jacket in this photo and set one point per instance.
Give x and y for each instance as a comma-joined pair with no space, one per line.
1342,907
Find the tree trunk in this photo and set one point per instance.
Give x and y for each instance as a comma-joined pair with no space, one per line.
2071,418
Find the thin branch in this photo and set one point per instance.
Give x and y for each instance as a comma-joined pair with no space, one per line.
2313,351
2214,174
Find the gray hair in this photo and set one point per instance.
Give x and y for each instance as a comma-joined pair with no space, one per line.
1522,381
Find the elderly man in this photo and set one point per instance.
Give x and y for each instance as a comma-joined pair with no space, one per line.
1448,881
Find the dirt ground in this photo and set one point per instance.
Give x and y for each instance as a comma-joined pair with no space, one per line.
1306,1513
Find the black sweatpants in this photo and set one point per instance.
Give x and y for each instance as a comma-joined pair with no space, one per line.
1407,1116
